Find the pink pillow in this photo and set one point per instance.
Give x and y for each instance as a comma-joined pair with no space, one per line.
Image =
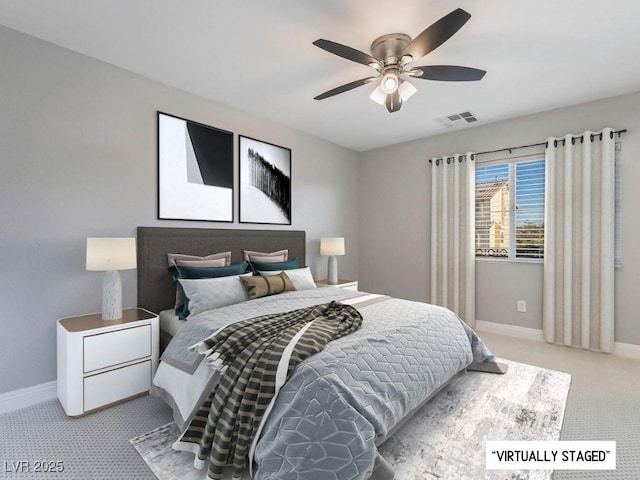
268,259
279,256
217,262
226,256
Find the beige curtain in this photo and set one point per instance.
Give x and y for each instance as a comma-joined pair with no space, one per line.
453,268
579,240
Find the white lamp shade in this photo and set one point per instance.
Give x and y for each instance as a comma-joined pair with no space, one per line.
107,254
378,95
332,246
406,90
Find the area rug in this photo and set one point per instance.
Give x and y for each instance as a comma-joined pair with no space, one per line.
446,438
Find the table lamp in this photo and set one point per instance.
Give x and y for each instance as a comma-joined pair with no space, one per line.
110,255
332,246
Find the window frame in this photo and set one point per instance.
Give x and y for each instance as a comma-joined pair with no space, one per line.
511,161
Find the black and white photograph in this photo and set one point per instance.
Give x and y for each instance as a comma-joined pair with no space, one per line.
195,177
265,182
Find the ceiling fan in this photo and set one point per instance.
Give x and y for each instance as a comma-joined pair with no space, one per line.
391,58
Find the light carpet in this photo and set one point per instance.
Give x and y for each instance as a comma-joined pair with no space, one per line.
446,438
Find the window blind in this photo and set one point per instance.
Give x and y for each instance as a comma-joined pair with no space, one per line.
529,212
510,210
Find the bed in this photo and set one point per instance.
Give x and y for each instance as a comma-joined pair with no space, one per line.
339,404
156,291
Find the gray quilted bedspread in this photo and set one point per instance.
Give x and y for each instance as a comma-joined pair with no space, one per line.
342,402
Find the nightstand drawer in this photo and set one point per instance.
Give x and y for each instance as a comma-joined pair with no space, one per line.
120,346
115,385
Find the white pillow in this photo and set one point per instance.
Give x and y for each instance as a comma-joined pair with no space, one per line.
209,293
300,277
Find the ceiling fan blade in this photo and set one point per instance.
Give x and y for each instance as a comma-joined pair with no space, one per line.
394,102
437,34
346,52
447,73
344,88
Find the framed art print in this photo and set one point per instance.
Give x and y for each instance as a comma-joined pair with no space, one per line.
265,182
195,171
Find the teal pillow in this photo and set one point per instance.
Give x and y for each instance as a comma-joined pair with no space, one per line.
182,308
275,266
190,272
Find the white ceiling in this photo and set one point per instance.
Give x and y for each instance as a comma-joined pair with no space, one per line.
258,56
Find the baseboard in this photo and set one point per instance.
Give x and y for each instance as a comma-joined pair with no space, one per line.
26,397
627,350
622,349
509,330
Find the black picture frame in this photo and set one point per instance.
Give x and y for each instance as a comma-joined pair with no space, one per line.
265,182
195,171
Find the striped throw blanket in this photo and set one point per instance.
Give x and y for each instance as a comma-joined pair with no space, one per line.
250,352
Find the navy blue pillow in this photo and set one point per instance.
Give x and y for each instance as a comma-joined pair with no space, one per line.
274,266
183,271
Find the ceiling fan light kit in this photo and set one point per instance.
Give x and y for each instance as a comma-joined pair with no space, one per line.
391,56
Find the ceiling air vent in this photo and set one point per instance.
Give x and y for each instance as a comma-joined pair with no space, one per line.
458,119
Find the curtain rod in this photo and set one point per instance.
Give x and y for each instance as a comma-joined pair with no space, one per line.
508,149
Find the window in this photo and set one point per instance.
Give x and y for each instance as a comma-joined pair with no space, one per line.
510,210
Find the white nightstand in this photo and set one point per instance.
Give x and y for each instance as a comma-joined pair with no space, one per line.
102,362
346,284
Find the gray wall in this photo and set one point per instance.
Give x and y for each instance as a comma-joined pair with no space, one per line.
395,212
78,159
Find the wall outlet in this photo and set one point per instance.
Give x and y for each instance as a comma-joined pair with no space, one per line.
522,306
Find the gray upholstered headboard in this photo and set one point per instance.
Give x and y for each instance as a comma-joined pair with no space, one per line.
155,287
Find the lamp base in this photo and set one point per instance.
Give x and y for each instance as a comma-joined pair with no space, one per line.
111,296
332,271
